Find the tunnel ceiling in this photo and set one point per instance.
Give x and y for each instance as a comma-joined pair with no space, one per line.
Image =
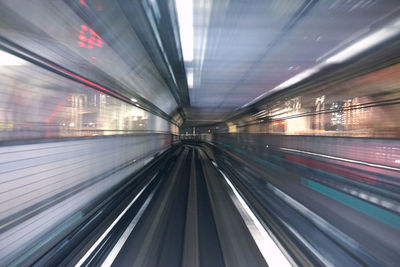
243,49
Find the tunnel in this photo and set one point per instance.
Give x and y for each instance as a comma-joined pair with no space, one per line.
199,133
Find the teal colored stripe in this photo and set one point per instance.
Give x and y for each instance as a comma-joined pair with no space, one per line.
226,145
375,212
238,150
330,175
267,164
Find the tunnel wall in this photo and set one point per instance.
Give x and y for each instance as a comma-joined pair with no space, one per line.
367,169
49,184
64,146
348,123
378,151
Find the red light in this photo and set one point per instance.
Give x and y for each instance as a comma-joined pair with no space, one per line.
82,38
82,2
91,83
276,123
93,40
59,106
93,58
81,44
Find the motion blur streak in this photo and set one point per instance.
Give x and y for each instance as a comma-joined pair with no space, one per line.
199,133
268,248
